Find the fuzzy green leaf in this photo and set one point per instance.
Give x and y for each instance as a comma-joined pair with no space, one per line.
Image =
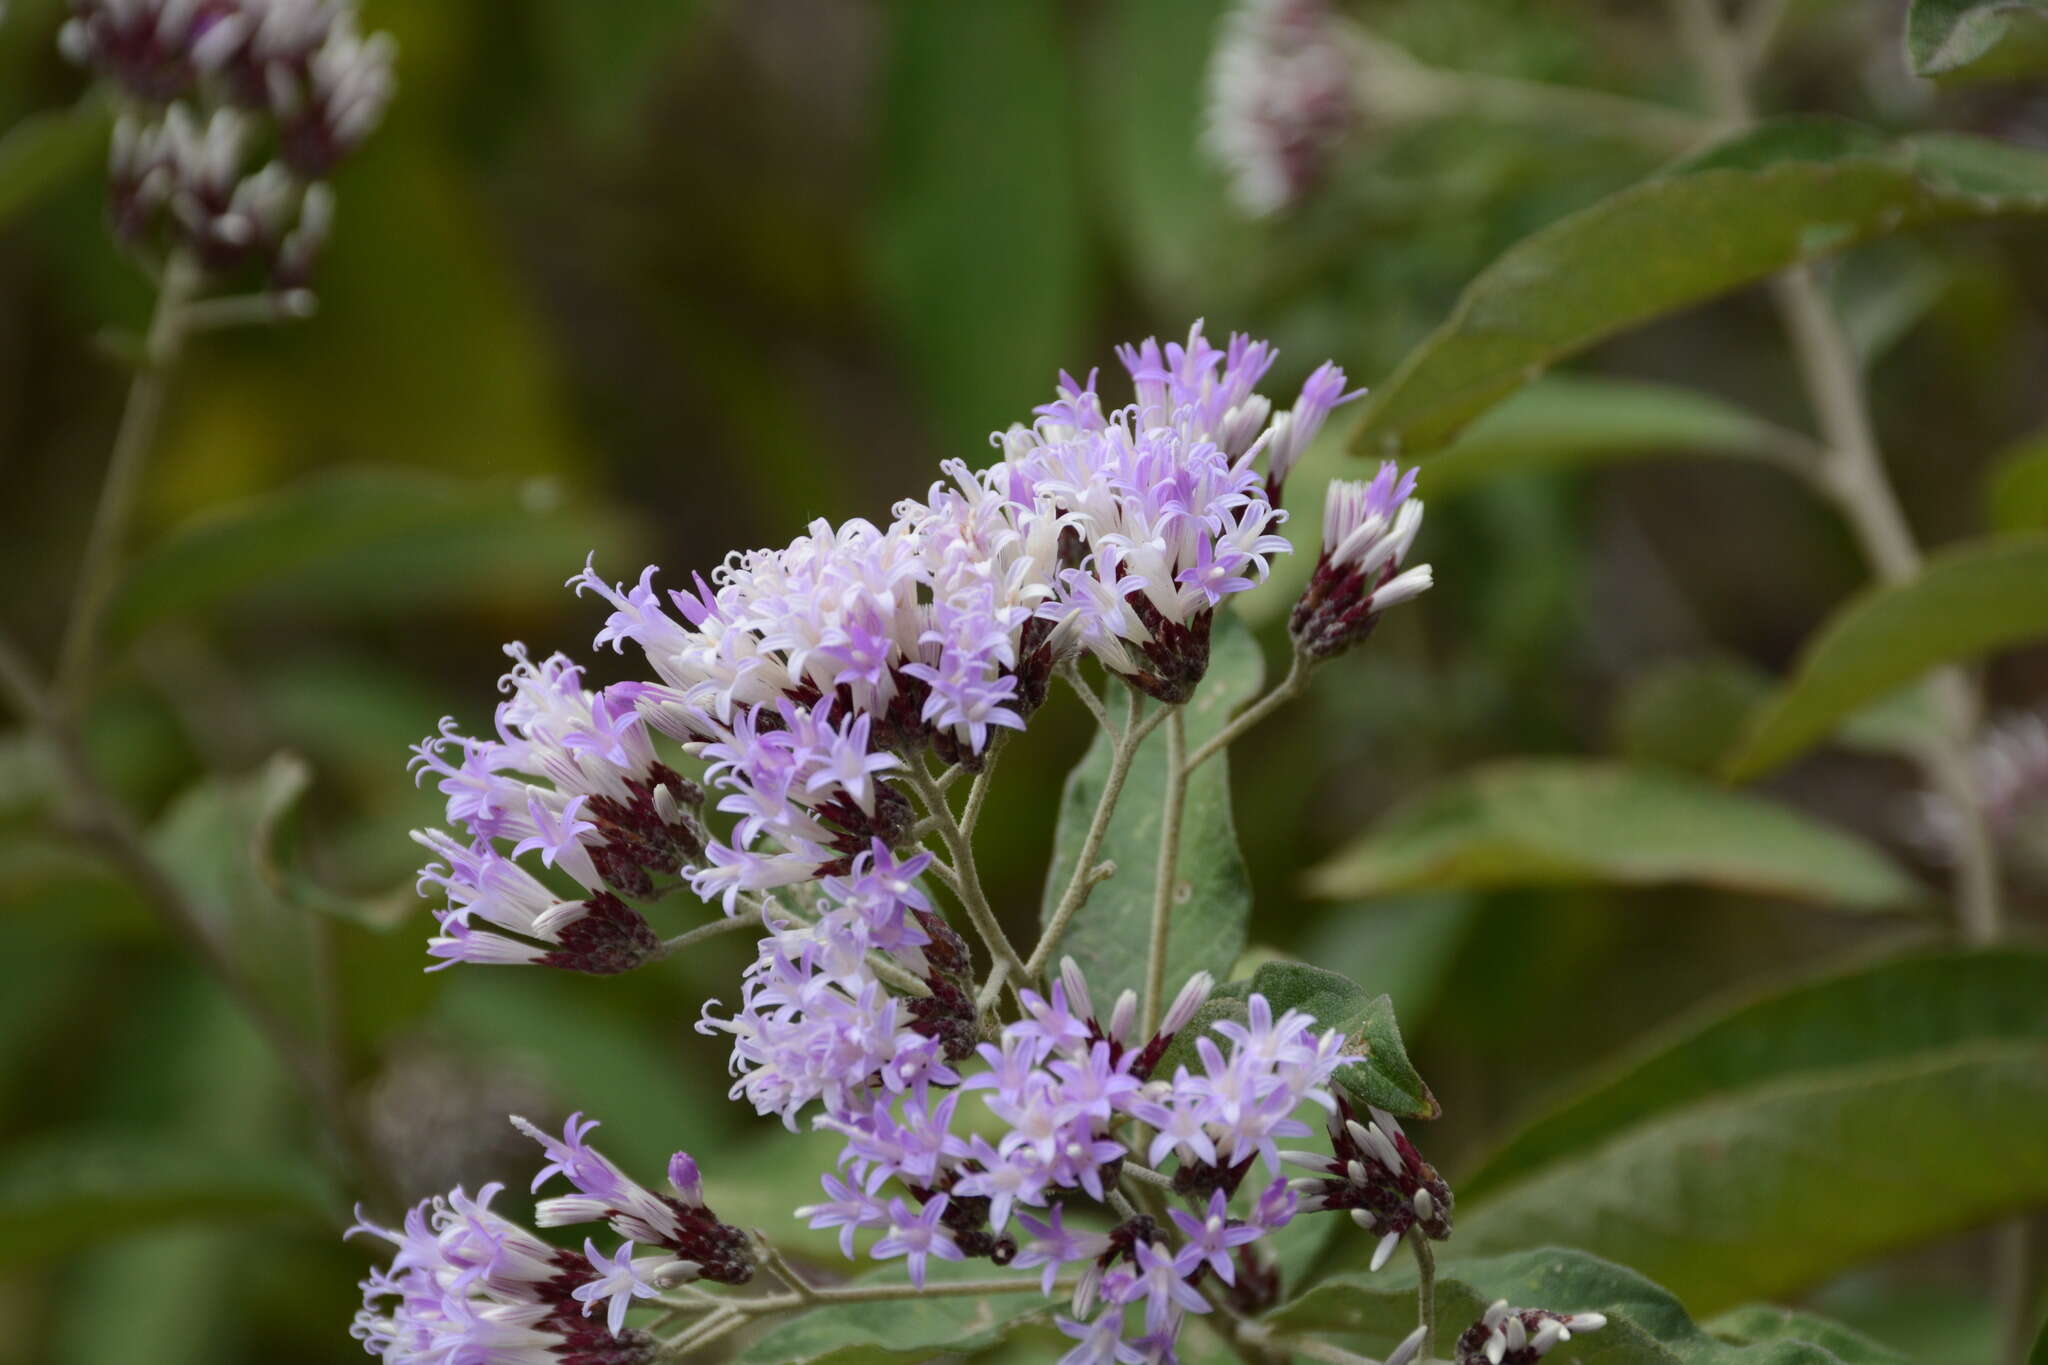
902,1330
1966,603
1786,192
1535,822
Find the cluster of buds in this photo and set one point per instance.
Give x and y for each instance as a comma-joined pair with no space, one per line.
1519,1336
1375,1172
1368,528
236,113
1282,99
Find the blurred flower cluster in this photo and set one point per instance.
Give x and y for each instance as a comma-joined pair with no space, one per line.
232,116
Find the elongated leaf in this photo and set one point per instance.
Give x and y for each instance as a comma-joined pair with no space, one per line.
1784,193
1956,42
608,57
1567,421
1969,602
2018,489
2039,1355
1535,822
65,1192
1646,1325
1759,1324
1886,1011
364,540
956,244
1213,897
43,151
1688,713
905,1330
1383,1075
1764,1191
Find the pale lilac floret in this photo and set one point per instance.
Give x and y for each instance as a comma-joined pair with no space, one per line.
1054,1246
1100,1341
620,1279
1211,1238
603,1191
1163,1288
848,1207
918,1237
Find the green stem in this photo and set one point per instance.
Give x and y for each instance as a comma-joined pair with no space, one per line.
1173,806
1425,1290
99,565
966,879
1292,686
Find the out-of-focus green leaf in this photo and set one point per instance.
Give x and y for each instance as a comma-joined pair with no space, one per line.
217,842
2018,491
52,889
43,151
1764,1191
72,1190
1404,947
608,57
1213,897
1688,714
1886,1011
1382,1076
1760,1324
1957,42
365,540
1965,603
903,1330
1538,822
1646,1324
1786,192
979,241
2039,1355
1565,421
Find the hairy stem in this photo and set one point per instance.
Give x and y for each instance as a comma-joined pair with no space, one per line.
1123,753
718,928
1291,686
1172,806
99,565
1425,1290
966,879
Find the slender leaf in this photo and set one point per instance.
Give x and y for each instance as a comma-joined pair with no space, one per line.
1688,713
1786,192
2018,490
1646,1325
1966,603
958,241
72,1190
1956,42
1213,897
1886,1011
902,1330
1536,822
1764,1191
1567,421
363,540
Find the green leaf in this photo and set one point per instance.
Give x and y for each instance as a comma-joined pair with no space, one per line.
905,1330
1957,42
1213,896
2018,490
1568,421
1759,1324
2039,1355
1764,1192
1786,192
65,1191
364,540
1688,713
43,151
1565,821
960,241
1382,1076
1885,1011
1646,1325
1965,603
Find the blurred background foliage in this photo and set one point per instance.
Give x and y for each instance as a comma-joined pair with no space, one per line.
658,278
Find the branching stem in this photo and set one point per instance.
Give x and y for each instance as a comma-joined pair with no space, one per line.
1172,806
966,880
1290,687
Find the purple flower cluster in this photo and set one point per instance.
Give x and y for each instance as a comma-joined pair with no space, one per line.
1061,1084
572,779
217,78
1373,1170
1519,1336
1368,528
467,1286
